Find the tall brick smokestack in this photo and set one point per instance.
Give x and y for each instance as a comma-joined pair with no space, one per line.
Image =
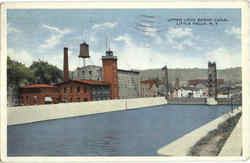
66,65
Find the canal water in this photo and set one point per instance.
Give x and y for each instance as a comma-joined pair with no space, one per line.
139,132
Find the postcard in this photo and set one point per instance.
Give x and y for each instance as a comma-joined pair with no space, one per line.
95,81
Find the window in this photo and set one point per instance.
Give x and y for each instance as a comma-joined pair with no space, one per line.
85,89
90,72
35,100
86,99
27,99
21,99
65,89
78,89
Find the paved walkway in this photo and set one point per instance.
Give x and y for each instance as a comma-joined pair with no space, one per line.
233,145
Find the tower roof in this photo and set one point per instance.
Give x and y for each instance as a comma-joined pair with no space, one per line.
109,55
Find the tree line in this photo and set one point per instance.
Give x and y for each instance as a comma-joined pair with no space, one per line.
19,74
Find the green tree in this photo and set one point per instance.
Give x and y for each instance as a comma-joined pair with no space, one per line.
46,73
18,73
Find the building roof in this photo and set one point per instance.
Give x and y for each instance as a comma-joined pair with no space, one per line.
89,67
191,88
89,82
39,86
129,71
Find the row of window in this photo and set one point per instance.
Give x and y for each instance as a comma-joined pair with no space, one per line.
33,100
78,89
78,99
101,98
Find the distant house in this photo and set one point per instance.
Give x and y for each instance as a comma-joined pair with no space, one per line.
39,94
149,88
190,92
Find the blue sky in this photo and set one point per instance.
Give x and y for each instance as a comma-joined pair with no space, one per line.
141,38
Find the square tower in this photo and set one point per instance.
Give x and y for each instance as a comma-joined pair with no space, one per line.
212,80
110,73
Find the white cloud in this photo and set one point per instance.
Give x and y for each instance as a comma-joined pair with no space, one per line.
126,38
179,38
234,31
52,28
52,41
224,58
132,56
55,37
179,32
150,31
20,56
12,29
104,25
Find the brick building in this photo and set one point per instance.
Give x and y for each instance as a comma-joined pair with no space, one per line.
83,90
39,94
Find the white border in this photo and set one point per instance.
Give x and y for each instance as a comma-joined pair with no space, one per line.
243,4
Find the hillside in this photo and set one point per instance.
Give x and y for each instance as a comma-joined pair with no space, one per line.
233,74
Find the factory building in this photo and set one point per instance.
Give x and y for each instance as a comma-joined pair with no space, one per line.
89,72
129,84
128,80
89,83
37,94
74,90
83,90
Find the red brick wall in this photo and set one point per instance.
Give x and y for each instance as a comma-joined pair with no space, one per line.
110,75
27,96
75,95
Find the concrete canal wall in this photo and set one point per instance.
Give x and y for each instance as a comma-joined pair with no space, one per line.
35,113
194,101
182,146
233,145
190,101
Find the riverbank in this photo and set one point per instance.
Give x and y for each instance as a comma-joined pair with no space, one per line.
213,142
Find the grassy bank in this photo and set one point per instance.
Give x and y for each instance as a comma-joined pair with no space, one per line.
212,143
